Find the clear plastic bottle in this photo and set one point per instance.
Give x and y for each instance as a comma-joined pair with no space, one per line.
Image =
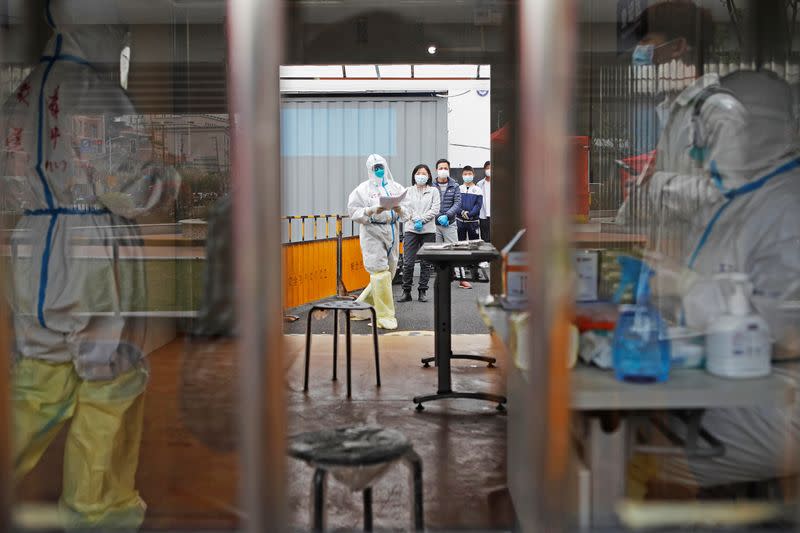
640,349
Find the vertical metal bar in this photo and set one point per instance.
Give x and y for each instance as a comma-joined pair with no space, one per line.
289,220
340,289
547,51
115,267
318,497
5,379
349,353
314,218
368,509
303,228
255,38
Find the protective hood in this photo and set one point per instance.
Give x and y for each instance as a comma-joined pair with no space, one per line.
771,126
91,30
376,159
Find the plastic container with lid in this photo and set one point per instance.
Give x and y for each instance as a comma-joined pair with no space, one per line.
738,344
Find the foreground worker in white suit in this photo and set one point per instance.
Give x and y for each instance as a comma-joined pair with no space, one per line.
78,357
379,236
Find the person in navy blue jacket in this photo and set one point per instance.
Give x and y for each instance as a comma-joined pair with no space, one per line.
468,217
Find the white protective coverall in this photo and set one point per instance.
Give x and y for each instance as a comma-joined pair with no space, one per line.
746,219
379,236
77,188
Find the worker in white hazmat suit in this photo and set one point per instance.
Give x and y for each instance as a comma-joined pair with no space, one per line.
724,197
78,357
754,228
379,236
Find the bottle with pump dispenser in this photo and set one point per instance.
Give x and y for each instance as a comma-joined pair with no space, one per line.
738,344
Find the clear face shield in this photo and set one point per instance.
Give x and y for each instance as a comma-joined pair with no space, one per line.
125,61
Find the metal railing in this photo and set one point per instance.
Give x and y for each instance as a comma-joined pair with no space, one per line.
298,230
321,229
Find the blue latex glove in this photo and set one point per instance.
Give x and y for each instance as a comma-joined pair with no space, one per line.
418,225
443,221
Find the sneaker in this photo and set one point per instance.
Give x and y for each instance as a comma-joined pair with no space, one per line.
422,296
465,284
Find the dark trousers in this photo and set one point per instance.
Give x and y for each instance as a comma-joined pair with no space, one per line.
486,232
467,230
412,242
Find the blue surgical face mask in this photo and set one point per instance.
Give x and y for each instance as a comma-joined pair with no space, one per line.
643,55
468,178
421,179
380,172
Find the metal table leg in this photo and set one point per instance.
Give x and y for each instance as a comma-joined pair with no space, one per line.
375,342
607,456
418,512
368,509
319,500
349,354
308,350
335,341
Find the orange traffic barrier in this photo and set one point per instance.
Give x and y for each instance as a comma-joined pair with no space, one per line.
310,270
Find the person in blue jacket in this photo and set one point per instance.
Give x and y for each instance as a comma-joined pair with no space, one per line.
468,217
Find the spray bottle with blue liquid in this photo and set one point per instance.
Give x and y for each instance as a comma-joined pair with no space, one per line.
640,348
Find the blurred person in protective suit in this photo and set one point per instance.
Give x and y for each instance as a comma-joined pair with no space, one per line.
78,358
722,197
379,236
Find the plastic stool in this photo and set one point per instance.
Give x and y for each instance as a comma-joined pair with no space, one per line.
346,306
358,457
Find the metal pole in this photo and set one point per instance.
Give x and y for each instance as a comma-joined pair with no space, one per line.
6,334
340,288
255,40
547,34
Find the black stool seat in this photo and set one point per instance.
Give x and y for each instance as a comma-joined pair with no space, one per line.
347,307
357,446
366,451
343,305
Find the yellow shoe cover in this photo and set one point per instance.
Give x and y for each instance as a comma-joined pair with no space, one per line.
383,299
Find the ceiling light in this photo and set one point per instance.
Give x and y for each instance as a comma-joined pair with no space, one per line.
432,49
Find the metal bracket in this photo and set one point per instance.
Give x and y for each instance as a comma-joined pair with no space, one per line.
697,443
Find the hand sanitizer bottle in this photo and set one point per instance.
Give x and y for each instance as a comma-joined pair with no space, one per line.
738,344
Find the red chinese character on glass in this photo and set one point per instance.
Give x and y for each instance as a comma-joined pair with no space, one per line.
55,133
14,140
52,103
23,92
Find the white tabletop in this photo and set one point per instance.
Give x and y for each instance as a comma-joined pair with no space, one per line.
594,389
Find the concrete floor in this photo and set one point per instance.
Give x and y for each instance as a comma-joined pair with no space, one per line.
411,316
189,482
462,443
